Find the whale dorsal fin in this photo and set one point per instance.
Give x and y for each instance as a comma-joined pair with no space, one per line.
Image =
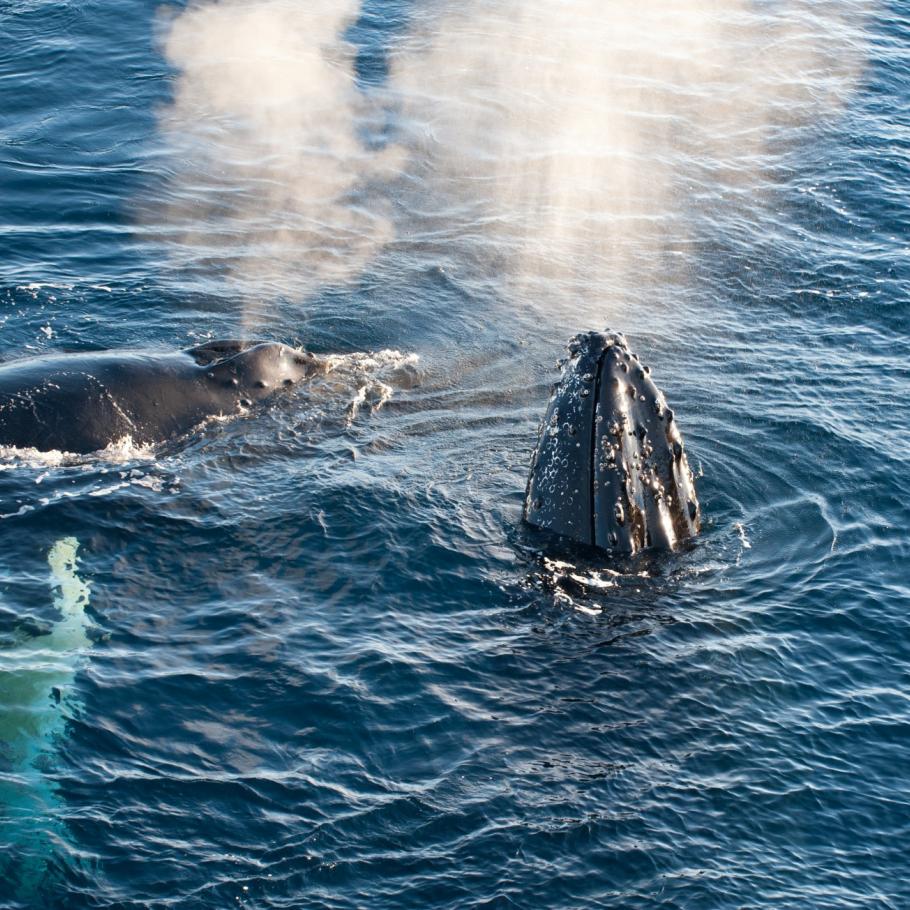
213,351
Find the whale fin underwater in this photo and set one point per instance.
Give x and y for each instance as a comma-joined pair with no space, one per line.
36,698
83,402
610,468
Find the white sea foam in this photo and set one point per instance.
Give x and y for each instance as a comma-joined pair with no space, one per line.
374,375
120,451
373,362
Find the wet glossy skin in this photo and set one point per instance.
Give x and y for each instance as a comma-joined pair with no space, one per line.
83,402
610,469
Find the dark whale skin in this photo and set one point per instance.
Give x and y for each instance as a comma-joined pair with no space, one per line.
610,469
83,402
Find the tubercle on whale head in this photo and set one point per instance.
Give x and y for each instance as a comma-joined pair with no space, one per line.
610,468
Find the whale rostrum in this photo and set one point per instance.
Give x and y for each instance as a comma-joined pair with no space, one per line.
610,468
83,402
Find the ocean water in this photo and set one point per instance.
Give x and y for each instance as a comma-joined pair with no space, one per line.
314,658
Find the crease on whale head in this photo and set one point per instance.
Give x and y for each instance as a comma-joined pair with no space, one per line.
610,468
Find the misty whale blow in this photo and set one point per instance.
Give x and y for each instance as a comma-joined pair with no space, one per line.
83,402
609,469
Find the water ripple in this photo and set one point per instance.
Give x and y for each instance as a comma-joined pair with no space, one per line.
328,668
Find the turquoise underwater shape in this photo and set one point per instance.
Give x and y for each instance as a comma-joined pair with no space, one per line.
37,696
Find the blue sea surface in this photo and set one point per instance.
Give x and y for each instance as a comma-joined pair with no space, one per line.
328,666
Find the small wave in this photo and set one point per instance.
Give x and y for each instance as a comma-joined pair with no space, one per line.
35,286
41,285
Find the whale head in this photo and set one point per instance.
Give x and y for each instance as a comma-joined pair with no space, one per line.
610,468
255,370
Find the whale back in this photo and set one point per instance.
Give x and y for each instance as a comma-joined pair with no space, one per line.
83,402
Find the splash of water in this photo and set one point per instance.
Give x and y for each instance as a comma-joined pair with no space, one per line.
369,378
572,144
270,175
120,451
566,149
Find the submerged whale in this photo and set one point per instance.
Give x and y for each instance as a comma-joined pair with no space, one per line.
37,698
84,402
610,469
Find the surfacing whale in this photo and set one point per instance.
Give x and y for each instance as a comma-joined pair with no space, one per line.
82,403
610,469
